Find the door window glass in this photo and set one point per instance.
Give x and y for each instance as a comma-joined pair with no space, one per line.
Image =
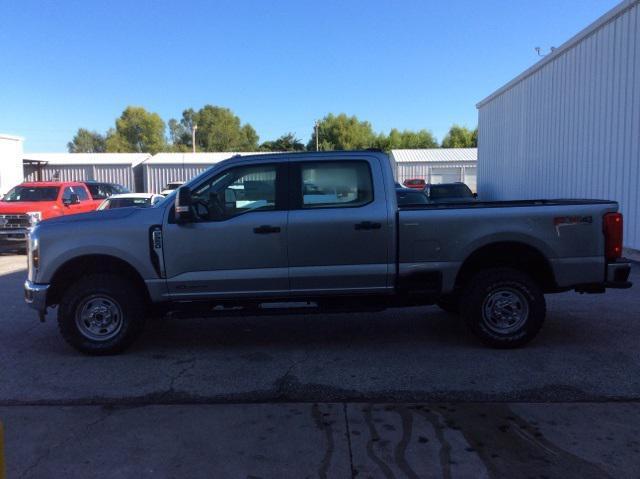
336,184
81,192
236,191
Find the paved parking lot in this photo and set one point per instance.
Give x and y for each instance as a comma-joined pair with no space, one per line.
345,392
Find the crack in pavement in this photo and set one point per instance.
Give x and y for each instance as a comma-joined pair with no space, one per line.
72,434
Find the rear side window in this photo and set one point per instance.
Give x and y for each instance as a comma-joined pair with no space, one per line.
336,184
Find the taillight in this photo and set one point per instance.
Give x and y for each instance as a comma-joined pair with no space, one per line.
612,226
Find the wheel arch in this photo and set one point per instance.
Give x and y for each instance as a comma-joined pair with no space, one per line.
508,253
84,265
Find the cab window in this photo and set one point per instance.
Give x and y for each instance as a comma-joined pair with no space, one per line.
336,184
234,192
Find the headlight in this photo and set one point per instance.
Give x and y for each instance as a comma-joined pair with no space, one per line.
33,255
34,217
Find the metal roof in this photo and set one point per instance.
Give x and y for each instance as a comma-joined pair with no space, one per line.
132,159
196,158
4,136
562,49
435,155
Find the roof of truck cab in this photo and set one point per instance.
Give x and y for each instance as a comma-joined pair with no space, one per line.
305,154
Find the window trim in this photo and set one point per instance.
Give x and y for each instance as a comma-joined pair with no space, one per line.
295,185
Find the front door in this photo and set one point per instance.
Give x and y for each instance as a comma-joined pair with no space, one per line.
237,243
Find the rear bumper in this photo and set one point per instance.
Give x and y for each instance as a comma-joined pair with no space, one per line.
618,274
35,295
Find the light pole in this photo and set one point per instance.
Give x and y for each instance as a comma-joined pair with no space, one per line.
317,135
193,136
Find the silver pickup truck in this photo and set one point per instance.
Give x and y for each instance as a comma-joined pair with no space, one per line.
317,232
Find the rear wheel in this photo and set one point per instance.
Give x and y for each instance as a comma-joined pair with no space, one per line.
101,314
504,307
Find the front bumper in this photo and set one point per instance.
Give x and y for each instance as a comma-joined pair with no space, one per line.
14,234
35,295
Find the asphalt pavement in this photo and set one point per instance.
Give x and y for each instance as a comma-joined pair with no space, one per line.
386,385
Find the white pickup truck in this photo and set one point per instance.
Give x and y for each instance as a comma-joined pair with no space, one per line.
317,232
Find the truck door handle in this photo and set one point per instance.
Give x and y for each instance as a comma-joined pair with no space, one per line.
367,225
266,229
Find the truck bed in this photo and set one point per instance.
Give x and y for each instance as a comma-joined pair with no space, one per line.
506,204
566,232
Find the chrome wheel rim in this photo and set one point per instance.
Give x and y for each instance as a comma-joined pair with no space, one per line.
505,310
99,317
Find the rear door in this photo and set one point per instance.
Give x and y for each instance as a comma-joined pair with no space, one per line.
339,227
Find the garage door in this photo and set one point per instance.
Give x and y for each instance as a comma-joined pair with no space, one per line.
446,175
470,176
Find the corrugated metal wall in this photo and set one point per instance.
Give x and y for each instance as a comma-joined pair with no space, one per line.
156,176
121,174
572,128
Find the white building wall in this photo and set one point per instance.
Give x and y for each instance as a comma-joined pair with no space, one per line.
10,162
569,127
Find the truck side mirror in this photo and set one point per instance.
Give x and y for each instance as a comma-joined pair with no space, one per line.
475,195
184,214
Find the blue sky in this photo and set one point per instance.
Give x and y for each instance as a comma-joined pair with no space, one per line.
278,65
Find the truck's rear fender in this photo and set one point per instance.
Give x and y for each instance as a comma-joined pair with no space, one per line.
509,253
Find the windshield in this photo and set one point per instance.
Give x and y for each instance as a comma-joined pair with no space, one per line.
450,191
112,203
32,193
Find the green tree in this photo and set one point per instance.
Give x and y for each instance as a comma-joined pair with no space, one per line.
406,139
460,137
137,130
219,129
342,132
85,141
287,142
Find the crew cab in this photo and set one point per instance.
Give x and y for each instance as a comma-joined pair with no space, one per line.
28,203
317,231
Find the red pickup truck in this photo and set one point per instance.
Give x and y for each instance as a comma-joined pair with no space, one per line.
29,203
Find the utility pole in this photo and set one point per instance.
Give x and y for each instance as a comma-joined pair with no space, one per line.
193,136
317,128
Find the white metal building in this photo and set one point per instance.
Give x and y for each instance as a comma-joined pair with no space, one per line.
10,162
569,126
436,165
164,168
109,167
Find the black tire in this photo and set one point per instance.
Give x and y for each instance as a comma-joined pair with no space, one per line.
449,303
504,307
101,296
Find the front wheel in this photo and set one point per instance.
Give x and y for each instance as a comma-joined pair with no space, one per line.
504,307
101,314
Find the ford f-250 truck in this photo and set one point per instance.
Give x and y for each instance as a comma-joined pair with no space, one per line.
317,232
